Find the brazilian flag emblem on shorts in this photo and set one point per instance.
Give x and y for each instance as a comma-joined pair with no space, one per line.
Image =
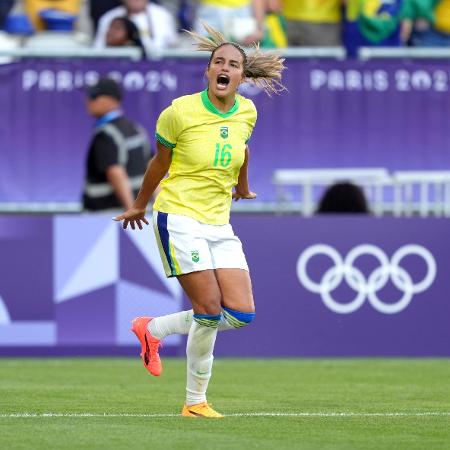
195,256
224,132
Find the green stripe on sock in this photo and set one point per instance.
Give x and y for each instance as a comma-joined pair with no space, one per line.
235,323
207,322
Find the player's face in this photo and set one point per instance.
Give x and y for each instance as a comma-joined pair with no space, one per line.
225,71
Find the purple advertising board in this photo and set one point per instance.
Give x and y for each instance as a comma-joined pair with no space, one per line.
324,286
388,113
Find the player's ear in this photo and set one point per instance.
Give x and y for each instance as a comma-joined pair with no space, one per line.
205,76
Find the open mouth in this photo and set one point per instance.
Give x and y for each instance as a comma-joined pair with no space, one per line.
223,81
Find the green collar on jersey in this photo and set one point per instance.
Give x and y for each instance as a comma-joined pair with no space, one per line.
211,108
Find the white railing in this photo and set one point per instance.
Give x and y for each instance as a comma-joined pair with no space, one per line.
133,53
401,193
366,53
40,207
422,192
307,179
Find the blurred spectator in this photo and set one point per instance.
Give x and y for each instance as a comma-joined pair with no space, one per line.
376,23
99,7
33,8
172,6
313,23
185,13
155,24
241,21
343,198
431,23
7,42
123,32
274,26
5,8
118,153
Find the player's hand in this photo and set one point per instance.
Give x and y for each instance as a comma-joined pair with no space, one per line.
133,216
247,195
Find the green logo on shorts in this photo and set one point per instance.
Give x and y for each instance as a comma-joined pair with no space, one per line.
195,256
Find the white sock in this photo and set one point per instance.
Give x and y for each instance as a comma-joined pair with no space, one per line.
178,323
199,352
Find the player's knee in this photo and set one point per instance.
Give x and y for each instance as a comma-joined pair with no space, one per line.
212,309
209,305
237,319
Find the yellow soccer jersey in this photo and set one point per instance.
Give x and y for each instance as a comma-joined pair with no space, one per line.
227,3
208,150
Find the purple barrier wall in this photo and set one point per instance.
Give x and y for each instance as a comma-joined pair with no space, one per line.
335,114
329,286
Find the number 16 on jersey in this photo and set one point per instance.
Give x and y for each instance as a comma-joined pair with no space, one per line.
222,155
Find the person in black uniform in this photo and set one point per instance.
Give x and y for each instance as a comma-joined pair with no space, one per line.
118,153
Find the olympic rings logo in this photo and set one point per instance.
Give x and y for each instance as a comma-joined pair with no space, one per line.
366,287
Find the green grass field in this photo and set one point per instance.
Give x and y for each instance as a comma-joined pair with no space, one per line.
114,404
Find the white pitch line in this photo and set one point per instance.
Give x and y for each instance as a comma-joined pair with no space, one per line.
262,414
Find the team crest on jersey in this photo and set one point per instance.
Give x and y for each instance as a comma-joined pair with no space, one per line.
195,256
224,132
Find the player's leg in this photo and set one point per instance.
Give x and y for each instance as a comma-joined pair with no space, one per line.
204,294
238,307
237,299
182,251
234,282
178,323
233,278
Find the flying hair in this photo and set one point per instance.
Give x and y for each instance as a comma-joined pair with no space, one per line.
263,68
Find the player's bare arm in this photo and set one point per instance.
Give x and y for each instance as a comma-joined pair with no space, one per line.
242,189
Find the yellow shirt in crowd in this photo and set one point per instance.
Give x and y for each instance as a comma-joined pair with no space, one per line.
226,3
208,150
442,15
319,11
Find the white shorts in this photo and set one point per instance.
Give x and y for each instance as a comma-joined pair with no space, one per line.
186,245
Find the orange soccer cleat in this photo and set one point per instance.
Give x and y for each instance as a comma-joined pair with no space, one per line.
149,354
200,410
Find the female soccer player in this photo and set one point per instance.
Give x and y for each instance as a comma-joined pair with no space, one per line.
202,142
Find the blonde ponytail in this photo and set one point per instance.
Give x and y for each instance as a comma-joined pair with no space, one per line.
262,68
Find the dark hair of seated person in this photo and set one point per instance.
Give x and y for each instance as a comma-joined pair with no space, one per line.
123,32
343,198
